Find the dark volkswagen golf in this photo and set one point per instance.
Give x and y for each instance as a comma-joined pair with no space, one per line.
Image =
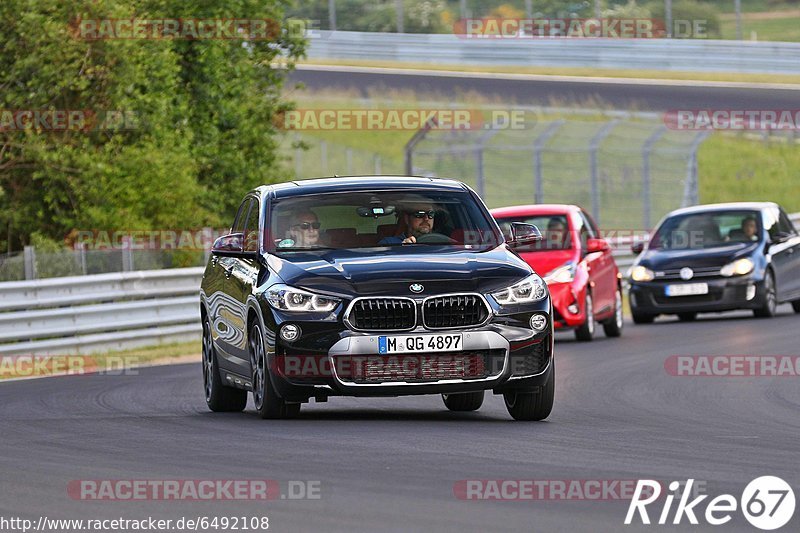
373,286
719,257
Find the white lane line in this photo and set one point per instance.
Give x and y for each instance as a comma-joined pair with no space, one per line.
545,77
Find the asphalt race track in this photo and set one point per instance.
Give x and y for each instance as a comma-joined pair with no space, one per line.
391,464
540,90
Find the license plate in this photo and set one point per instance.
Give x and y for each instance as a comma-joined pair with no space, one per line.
687,289
419,343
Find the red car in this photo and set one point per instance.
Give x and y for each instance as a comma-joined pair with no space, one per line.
584,281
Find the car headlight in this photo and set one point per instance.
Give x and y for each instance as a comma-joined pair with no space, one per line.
563,274
530,289
640,273
740,267
286,298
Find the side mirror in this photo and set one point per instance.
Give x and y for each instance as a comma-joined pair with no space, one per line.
596,245
782,236
230,245
637,247
523,234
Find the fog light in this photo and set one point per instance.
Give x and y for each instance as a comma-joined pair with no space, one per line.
751,292
290,332
573,308
538,322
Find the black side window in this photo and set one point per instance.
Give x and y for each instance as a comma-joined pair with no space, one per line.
251,228
241,215
785,224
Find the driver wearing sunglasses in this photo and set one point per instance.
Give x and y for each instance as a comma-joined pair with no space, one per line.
304,229
418,221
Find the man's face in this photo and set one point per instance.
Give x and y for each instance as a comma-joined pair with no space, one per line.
749,228
303,231
419,220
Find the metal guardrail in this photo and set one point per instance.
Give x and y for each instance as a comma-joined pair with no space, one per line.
84,314
702,55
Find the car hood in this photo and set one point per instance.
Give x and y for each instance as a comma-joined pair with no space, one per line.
376,273
545,261
698,258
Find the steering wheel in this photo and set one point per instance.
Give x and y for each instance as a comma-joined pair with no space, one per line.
435,238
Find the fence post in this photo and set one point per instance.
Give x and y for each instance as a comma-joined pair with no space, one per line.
323,152
378,165
127,255
208,243
691,193
348,153
332,15
298,156
480,178
82,256
647,149
594,177
538,147
29,257
409,149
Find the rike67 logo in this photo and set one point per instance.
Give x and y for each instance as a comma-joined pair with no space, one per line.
767,503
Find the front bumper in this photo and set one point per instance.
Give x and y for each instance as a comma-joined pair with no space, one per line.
564,296
724,294
521,360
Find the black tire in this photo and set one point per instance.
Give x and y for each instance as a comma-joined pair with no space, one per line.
585,332
687,317
532,405
770,307
613,326
219,398
796,306
642,318
267,402
466,401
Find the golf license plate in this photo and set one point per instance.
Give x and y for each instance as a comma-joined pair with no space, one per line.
687,289
388,344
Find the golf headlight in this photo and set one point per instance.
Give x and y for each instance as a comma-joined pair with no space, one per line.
530,289
640,273
563,274
739,267
288,298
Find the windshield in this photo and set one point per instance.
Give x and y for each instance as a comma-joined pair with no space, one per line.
554,230
379,219
707,230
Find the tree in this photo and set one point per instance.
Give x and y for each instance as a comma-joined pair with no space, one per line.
201,131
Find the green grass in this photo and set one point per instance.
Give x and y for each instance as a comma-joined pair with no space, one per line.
731,167
735,168
114,361
778,29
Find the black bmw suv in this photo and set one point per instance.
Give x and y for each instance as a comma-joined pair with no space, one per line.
373,286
